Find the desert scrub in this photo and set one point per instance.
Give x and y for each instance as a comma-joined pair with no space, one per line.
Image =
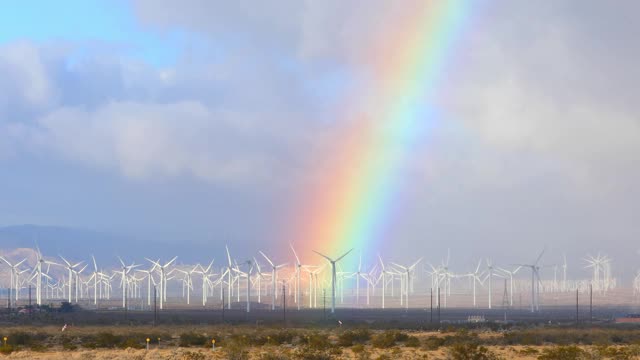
529,351
619,352
350,337
388,339
192,355
272,356
316,341
6,349
412,341
470,351
235,352
307,353
357,348
280,337
193,339
571,352
433,343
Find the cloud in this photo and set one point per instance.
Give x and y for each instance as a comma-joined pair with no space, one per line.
538,104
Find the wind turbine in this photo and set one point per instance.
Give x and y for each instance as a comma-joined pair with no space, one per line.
229,275
510,273
475,277
383,275
37,274
298,267
70,268
163,278
274,279
188,281
333,277
259,277
534,274
407,279
124,271
15,275
205,279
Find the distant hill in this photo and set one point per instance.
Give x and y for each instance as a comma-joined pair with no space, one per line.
79,244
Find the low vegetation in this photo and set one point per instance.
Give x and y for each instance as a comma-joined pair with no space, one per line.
266,343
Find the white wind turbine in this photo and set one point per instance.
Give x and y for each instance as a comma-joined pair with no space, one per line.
310,270
358,274
259,277
79,281
15,276
38,274
406,277
70,268
370,281
333,277
205,279
163,278
510,273
150,279
123,272
188,280
94,277
383,275
534,274
314,275
475,277
274,279
229,273
490,276
298,267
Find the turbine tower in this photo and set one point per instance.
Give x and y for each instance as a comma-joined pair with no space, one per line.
274,279
333,277
534,274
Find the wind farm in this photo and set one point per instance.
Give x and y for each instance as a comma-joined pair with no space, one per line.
261,286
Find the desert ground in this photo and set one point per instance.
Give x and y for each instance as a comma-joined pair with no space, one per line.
480,341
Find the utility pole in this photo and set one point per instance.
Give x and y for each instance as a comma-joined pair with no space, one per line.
126,305
431,307
324,305
155,306
284,304
590,304
438,305
577,313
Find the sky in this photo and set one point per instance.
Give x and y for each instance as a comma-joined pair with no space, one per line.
202,122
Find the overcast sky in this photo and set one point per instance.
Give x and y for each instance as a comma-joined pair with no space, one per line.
197,121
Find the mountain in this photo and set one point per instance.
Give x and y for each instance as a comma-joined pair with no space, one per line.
79,244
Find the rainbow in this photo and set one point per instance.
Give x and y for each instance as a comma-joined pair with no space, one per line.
354,209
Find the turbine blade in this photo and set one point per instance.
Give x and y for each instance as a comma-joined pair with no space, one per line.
294,254
268,260
170,262
345,254
324,256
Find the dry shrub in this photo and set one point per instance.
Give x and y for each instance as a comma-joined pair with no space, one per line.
470,351
193,355
388,339
308,353
193,339
235,352
6,349
571,352
350,337
412,341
